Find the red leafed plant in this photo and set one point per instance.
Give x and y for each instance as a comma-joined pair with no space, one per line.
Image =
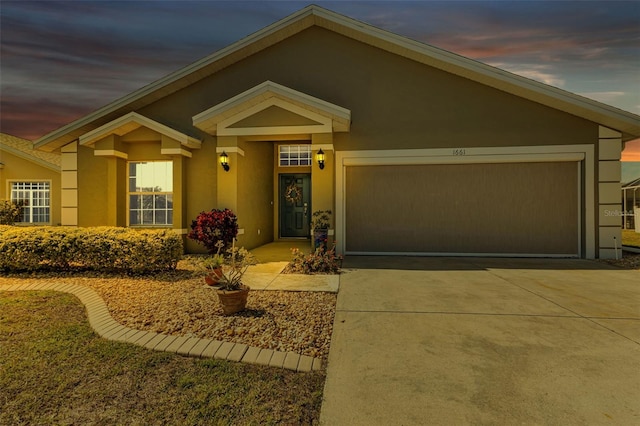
211,227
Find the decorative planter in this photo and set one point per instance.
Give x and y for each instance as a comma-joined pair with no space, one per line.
213,277
320,237
233,301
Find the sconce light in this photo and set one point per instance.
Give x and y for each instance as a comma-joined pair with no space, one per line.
320,159
224,161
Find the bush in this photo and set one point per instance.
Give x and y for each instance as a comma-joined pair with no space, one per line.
9,212
211,227
321,261
101,249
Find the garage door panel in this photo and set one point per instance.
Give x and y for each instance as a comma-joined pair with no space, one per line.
464,208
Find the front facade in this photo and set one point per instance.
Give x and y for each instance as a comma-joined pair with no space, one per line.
425,152
31,179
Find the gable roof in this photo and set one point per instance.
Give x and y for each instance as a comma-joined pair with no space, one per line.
606,115
132,121
322,116
23,148
633,184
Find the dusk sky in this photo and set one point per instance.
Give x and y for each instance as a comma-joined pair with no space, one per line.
62,60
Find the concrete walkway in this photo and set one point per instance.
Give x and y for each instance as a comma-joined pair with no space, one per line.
105,326
274,257
445,341
268,276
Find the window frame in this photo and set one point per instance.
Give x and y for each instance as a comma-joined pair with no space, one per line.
30,206
153,193
299,152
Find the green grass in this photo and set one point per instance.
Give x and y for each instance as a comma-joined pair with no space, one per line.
630,238
55,370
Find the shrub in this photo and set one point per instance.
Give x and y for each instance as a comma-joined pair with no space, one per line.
211,227
320,219
321,261
9,212
101,249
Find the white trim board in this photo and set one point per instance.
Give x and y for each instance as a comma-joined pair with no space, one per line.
25,156
228,149
582,154
220,118
132,121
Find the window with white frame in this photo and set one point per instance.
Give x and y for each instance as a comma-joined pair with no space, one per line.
150,193
294,155
34,198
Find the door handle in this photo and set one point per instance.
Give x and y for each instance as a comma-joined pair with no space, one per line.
305,209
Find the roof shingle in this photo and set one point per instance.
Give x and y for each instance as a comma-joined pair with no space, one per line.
26,147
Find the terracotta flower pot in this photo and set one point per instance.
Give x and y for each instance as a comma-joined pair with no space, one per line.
233,300
212,278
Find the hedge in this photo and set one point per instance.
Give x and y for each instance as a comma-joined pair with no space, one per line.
100,248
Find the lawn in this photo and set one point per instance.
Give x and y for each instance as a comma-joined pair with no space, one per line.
55,370
630,238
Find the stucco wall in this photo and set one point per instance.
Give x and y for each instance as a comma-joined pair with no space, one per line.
255,194
18,169
200,193
395,102
92,188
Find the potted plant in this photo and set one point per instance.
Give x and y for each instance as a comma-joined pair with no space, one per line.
213,266
320,221
230,289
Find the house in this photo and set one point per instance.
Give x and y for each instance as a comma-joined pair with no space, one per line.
31,178
422,151
631,204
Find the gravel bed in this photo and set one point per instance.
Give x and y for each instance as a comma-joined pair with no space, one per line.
299,322
628,261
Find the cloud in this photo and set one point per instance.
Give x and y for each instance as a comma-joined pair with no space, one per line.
631,151
31,118
75,56
544,73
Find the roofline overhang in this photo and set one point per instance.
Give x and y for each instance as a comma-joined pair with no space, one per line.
606,115
221,117
123,125
26,156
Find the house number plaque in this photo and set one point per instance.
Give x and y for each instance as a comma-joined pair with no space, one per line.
459,152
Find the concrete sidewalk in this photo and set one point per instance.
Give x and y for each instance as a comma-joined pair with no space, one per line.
273,258
484,341
268,276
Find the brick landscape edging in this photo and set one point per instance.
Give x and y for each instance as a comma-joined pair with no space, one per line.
101,321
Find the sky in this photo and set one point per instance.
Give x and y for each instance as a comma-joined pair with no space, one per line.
62,60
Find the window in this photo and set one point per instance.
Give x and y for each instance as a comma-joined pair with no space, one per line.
295,155
151,193
34,197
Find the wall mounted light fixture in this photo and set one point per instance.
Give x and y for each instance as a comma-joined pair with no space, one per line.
224,161
320,158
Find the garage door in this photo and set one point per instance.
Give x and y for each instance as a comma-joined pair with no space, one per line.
507,208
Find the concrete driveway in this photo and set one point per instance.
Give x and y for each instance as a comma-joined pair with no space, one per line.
445,341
